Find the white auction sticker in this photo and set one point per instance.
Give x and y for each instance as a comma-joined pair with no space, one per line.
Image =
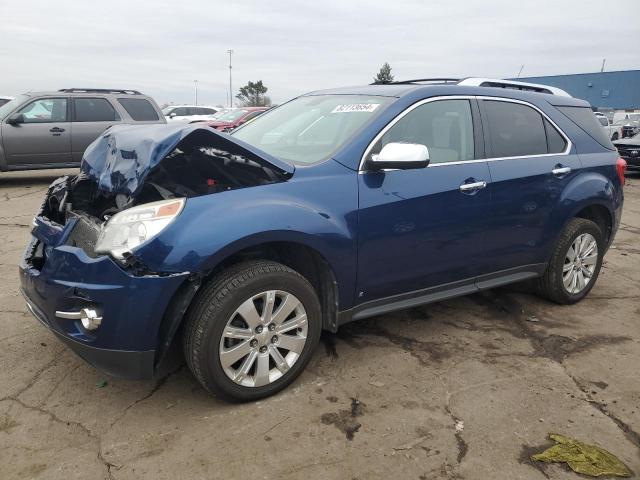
356,107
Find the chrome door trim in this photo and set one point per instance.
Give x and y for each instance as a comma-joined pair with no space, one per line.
466,187
397,118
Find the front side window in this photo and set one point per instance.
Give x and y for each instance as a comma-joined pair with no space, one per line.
310,129
45,110
93,110
139,109
445,127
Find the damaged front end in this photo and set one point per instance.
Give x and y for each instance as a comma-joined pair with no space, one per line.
131,166
82,259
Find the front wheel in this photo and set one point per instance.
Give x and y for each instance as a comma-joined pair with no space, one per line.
252,330
575,263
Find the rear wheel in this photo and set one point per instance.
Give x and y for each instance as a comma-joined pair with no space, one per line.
252,330
614,136
575,263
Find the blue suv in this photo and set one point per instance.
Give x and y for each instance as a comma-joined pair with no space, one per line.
336,206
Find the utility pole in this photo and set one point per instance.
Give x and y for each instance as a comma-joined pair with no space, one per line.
230,52
603,62
195,82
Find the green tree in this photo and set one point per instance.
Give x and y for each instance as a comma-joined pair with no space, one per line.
253,95
384,75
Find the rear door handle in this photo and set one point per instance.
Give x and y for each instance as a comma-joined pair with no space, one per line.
472,187
56,130
559,170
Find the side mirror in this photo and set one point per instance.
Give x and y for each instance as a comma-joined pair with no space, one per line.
401,156
172,114
15,119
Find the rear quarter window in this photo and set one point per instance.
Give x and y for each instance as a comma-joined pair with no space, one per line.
139,109
587,121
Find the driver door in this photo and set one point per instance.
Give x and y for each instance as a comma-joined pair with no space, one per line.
425,228
44,136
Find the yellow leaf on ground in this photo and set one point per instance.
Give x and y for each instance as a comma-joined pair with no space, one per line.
582,458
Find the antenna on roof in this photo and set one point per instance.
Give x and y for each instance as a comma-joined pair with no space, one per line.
603,62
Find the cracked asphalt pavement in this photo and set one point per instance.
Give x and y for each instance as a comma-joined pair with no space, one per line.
464,389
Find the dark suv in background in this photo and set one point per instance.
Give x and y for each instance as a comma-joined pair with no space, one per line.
53,129
336,206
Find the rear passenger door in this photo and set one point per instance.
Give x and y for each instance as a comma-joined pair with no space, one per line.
91,117
531,162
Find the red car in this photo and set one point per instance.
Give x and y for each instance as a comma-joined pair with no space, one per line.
234,118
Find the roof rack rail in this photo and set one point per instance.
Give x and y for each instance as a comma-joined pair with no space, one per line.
513,84
419,80
100,90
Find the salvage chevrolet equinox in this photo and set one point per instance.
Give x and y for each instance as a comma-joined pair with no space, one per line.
336,206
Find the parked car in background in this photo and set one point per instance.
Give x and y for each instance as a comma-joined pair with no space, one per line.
188,113
628,122
53,129
629,149
336,206
4,100
614,132
235,117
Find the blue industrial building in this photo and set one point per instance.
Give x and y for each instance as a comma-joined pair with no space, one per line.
603,90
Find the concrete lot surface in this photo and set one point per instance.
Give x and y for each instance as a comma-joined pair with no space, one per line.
463,389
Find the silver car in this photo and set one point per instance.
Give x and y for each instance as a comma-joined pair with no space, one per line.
53,129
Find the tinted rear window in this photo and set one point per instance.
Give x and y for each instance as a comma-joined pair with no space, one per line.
139,109
93,110
515,130
587,121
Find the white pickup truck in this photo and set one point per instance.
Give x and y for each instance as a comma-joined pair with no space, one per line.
614,131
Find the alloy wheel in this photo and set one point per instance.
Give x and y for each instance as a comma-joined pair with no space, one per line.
580,263
263,338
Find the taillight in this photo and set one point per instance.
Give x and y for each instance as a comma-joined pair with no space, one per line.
621,167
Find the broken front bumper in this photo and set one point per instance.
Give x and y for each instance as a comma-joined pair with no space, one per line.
57,277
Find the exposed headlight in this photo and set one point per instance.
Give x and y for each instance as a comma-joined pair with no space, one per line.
132,227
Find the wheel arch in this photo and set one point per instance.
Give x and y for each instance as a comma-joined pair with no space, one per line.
299,256
589,196
302,258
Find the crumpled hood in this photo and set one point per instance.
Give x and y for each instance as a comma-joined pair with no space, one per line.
120,159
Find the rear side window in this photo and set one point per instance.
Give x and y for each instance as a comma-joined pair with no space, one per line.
139,109
93,110
586,120
515,130
555,142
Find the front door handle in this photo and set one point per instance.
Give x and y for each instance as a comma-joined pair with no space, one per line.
56,130
472,187
560,170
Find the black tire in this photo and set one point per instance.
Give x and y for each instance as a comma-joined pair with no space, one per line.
550,285
614,137
214,305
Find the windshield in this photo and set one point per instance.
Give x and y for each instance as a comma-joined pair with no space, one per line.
231,115
167,110
311,128
9,107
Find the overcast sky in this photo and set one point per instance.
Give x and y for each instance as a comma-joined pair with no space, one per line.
161,47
